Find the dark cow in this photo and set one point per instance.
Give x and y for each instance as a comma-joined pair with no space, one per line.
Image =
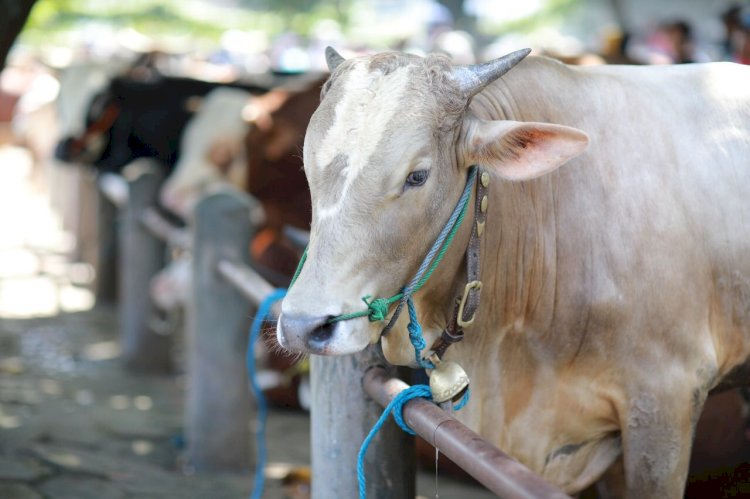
135,118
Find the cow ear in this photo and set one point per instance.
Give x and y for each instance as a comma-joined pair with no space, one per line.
520,150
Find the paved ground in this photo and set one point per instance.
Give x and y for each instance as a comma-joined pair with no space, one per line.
74,424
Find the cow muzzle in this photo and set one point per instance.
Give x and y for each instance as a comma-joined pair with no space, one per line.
316,335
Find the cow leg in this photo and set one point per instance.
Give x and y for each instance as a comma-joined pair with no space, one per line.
657,435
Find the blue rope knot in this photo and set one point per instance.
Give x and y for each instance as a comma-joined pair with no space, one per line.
378,308
395,407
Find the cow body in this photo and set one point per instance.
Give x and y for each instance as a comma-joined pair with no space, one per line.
616,288
620,288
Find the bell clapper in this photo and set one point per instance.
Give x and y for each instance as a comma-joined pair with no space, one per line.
437,454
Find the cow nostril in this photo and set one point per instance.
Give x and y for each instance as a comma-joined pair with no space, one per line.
323,332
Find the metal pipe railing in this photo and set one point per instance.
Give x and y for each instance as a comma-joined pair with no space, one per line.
163,229
486,463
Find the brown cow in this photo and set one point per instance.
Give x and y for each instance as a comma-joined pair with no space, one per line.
275,176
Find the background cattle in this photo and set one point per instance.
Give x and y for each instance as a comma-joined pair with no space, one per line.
257,138
134,118
212,151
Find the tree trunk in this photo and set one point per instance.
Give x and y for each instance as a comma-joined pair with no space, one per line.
13,15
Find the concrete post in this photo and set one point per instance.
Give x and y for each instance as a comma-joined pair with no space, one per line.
341,417
141,256
219,403
107,220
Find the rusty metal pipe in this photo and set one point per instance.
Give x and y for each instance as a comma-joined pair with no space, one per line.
486,463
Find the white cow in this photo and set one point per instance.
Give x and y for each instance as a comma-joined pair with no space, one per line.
212,151
616,289
211,156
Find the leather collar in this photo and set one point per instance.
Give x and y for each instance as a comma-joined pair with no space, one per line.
465,307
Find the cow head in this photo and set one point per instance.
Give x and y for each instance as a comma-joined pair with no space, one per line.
88,145
386,157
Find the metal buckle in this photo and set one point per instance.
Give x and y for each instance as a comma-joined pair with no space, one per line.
477,285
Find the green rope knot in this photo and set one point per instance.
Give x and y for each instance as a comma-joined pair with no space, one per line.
378,308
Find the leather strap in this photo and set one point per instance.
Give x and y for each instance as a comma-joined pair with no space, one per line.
473,260
450,335
466,305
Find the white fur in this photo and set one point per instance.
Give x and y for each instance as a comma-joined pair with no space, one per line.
369,102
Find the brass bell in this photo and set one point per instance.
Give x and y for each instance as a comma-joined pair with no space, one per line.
448,381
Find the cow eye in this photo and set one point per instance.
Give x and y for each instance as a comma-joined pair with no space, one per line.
417,178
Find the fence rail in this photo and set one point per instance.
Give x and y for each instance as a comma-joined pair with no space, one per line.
348,393
248,282
490,466
161,228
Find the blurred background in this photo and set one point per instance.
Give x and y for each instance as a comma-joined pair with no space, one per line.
217,95
226,37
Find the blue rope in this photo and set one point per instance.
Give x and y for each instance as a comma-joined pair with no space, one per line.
395,407
264,309
464,400
415,336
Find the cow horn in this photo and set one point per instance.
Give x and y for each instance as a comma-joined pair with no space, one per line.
472,79
333,58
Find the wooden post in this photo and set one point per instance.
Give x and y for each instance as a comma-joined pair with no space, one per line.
141,256
219,403
341,417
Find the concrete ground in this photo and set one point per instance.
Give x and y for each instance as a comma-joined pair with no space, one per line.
73,423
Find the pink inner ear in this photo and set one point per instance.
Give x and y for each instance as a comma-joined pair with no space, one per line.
522,151
528,137
514,146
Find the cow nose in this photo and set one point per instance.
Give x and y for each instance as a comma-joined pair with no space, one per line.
62,149
322,334
306,332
